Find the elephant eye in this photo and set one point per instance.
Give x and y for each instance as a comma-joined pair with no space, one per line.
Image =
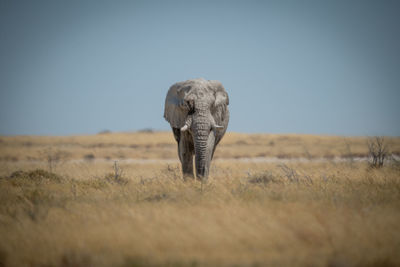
190,105
191,111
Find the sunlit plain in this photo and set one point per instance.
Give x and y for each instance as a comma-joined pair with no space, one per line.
118,199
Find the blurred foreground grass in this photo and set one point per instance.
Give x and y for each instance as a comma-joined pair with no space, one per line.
248,214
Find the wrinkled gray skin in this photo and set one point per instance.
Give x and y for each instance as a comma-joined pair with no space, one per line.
198,113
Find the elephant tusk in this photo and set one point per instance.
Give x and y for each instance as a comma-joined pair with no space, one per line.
188,123
216,127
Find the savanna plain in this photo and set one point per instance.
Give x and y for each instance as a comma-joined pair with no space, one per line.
118,199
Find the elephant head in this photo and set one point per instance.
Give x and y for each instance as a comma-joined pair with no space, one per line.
198,113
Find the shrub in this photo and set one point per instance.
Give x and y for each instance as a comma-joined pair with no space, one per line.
263,178
37,175
89,157
377,151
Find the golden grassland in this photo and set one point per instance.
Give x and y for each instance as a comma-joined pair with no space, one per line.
89,212
161,145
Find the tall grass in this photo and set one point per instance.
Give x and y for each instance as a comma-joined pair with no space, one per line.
248,214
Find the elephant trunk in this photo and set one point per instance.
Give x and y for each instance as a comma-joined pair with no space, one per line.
203,144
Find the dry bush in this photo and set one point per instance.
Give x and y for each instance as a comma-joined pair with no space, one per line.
53,157
377,151
89,157
117,176
37,175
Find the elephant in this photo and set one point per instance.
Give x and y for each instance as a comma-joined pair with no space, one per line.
197,111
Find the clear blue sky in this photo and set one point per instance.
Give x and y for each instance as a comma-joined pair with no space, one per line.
318,67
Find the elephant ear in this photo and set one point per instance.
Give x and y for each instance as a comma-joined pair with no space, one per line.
175,111
219,110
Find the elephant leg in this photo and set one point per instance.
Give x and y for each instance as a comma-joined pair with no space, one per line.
186,152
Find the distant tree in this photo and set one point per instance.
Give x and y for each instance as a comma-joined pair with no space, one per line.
105,132
377,151
53,157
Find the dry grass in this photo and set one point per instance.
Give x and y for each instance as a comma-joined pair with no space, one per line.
161,145
248,214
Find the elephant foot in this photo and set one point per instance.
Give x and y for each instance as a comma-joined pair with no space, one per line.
188,177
